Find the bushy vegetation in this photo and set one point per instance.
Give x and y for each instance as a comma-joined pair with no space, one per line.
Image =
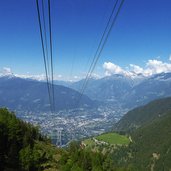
22,147
86,159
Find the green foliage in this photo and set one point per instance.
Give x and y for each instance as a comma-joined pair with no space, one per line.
144,114
85,159
89,142
22,147
153,144
26,158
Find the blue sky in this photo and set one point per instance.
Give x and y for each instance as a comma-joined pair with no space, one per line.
142,33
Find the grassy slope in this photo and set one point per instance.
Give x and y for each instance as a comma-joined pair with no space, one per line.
111,138
89,142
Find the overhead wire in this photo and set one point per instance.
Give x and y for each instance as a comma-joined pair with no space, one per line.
51,53
91,49
110,29
44,56
101,40
95,42
101,45
104,32
45,38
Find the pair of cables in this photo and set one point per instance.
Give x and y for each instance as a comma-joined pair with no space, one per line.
111,22
47,48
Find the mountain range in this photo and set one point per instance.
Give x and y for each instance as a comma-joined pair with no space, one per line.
127,91
31,95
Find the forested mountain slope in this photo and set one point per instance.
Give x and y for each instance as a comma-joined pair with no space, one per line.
144,114
151,149
22,147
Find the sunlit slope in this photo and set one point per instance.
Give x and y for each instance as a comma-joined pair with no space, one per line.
108,139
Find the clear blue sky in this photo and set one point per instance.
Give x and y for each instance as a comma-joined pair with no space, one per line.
142,32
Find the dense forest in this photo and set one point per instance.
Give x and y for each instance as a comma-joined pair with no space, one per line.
152,147
143,115
23,147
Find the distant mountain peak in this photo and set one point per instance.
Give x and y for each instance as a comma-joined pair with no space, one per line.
7,76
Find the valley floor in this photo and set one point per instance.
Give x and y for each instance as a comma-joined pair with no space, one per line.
75,124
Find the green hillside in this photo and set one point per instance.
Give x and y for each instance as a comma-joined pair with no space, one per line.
152,147
107,139
113,138
22,147
144,114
